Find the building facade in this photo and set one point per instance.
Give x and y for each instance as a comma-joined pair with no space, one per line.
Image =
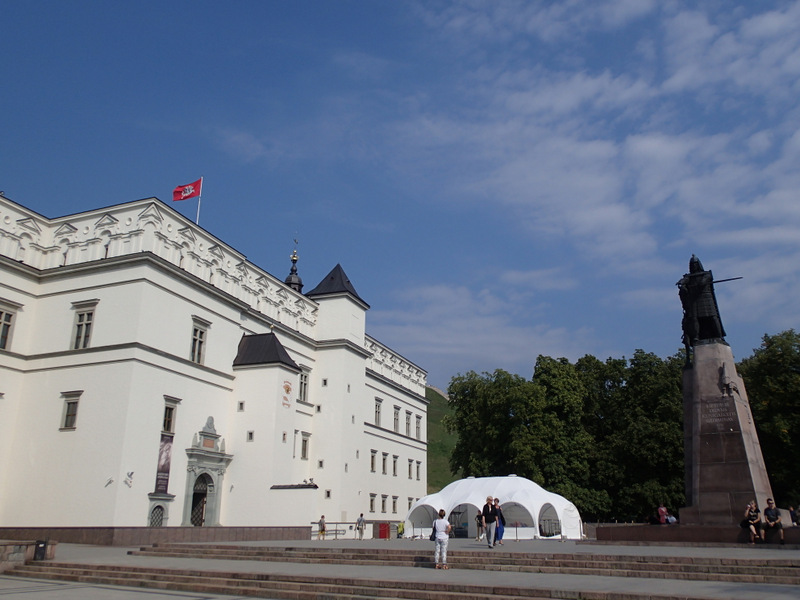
150,375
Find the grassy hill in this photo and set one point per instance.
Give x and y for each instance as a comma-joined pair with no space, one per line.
440,443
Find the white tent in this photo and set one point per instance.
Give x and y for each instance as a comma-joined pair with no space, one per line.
530,511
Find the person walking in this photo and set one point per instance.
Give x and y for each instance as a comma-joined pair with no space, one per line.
321,528
360,525
441,531
489,516
501,523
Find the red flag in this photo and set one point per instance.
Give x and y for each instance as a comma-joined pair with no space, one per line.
190,190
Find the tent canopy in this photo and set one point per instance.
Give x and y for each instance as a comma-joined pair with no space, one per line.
529,509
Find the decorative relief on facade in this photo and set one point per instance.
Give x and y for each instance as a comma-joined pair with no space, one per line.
394,367
105,222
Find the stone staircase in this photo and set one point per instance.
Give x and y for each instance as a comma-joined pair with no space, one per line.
190,576
780,571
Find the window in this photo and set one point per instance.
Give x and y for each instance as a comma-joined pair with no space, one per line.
378,403
157,516
419,428
170,412
372,460
304,442
410,468
199,335
320,464
303,389
6,319
397,419
250,436
372,502
408,424
394,466
410,502
384,497
394,504
240,408
84,320
419,465
327,494
384,460
69,415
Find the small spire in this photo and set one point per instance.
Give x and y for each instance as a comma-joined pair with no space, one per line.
293,280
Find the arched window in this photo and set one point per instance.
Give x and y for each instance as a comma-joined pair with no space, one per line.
157,516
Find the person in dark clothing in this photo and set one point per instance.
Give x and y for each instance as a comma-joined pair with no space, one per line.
489,517
772,519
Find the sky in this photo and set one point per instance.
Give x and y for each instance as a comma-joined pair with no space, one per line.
498,179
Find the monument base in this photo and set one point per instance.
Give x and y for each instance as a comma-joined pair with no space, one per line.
689,534
724,466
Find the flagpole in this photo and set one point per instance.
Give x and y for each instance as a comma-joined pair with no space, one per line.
200,197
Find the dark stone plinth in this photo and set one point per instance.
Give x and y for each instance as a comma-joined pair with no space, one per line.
687,534
724,466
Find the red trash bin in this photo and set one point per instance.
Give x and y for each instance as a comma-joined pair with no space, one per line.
383,531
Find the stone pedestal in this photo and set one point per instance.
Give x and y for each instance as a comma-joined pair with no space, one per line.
724,465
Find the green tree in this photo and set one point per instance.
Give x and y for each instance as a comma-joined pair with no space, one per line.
772,379
493,416
564,458
606,435
646,443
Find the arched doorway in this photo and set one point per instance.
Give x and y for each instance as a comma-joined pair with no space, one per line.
549,523
202,487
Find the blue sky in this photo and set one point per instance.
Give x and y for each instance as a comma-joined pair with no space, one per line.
498,179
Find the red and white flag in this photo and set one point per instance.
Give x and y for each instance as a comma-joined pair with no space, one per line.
190,190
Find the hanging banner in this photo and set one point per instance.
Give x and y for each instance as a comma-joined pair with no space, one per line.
164,460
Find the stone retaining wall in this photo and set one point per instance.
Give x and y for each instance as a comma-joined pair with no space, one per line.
138,536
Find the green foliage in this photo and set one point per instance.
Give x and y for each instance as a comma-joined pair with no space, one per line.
772,379
440,442
608,436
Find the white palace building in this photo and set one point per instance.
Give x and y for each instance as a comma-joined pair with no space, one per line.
150,376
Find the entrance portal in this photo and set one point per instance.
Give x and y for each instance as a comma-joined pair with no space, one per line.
200,499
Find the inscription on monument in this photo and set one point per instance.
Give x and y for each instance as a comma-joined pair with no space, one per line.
718,414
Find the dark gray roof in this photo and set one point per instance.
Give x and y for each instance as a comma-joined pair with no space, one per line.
262,349
335,282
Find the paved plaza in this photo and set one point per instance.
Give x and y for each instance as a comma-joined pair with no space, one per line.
14,588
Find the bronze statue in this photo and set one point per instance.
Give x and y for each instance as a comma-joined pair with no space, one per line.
701,319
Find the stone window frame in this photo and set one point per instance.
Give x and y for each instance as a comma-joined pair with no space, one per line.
170,414
302,388
69,412
83,324
8,317
197,351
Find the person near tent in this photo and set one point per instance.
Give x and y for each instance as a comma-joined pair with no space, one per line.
501,523
479,523
441,534
489,515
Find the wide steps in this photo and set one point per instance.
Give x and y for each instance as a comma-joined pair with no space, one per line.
694,569
284,586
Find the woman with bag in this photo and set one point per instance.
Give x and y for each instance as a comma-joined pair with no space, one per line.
441,535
